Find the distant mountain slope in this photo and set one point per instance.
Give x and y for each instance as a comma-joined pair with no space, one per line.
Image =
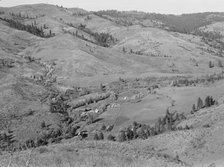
137,48
184,23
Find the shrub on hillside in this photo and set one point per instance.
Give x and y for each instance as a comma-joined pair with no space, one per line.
220,63
103,127
100,136
141,133
211,65
121,137
193,109
95,137
43,124
110,137
129,134
91,118
209,101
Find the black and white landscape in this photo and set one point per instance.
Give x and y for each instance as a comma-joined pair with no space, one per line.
110,88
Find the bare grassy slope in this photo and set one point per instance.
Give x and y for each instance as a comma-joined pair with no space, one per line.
165,50
88,154
153,50
14,41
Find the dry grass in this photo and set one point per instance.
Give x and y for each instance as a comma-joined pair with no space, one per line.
85,154
72,159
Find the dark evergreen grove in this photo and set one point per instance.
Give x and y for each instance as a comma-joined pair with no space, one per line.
101,39
29,28
208,102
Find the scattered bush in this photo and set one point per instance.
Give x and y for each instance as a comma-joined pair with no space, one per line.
103,127
43,125
43,150
121,136
193,109
129,134
220,63
109,128
102,87
91,118
100,136
96,137
7,140
110,137
141,133
211,65
124,50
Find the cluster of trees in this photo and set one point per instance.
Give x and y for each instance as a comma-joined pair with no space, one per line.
7,141
184,81
29,28
98,136
208,102
113,13
76,34
48,135
121,18
211,64
19,15
102,39
143,131
162,125
56,134
136,52
132,52
210,35
190,82
58,105
211,38
6,63
76,92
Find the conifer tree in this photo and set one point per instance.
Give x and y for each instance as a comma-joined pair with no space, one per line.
121,136
193,109
96,137
100,136
199,104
